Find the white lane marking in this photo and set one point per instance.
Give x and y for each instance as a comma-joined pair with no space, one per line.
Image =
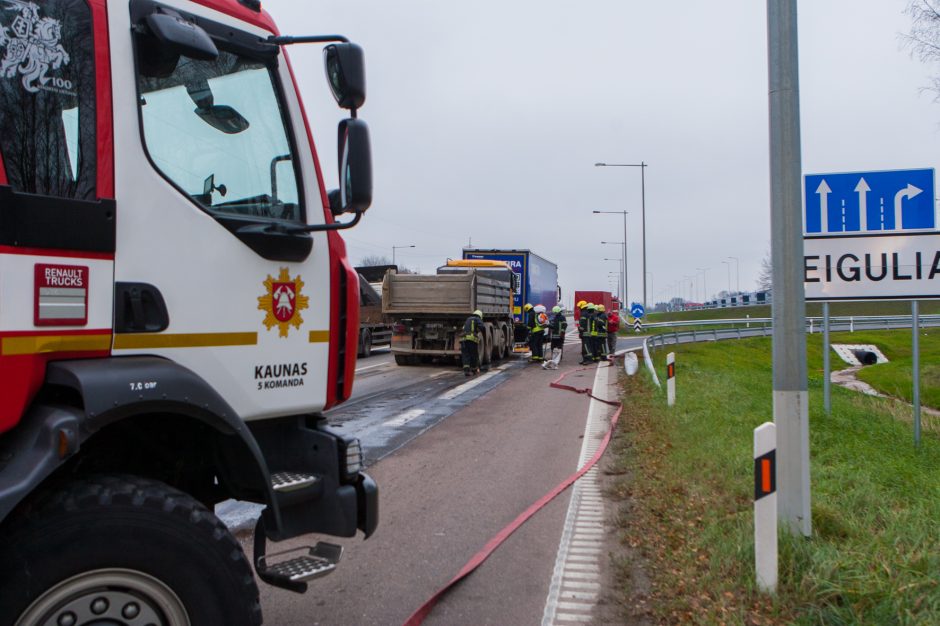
467,386
571,617
576,606
404,418
371,367
579,595
583,535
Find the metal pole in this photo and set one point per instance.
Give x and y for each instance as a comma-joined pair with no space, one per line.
643,211
790,401
625,277
827,400
915,350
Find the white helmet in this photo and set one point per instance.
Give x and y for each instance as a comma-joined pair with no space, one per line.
539,308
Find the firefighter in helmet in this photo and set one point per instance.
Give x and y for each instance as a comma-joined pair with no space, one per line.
470,343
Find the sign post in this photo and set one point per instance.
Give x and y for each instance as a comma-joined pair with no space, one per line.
915,374
790,402
765,506
827,368
671,379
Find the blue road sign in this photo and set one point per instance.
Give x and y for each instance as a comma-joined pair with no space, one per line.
866,202
637,310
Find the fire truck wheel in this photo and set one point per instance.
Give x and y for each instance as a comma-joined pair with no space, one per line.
122,550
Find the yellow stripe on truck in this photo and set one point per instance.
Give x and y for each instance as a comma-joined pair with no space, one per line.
42,344
319,336
143,341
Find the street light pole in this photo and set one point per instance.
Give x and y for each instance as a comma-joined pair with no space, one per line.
623,268
704,283
737,274
642,165
728,263
625,273
393,253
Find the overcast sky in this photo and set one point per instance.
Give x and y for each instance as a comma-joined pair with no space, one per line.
487,119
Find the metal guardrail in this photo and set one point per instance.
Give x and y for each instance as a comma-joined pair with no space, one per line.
763,326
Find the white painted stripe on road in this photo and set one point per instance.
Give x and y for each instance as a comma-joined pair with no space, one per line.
585,567
580,575
575,606
579,595
581,538
576,585
467,386
405,417
371,367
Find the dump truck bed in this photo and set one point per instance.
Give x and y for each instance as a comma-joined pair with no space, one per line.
417,295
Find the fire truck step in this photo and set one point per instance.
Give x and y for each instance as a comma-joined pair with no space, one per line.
292,481
318,561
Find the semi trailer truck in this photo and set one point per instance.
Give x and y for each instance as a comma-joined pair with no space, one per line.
428,311
178,310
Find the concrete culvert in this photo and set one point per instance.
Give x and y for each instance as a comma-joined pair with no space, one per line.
865,357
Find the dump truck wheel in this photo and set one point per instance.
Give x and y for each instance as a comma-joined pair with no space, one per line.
122,550
365,343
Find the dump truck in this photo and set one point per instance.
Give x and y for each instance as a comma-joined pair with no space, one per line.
375,328
178,311
428,311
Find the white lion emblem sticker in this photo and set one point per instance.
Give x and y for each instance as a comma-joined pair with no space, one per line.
32,47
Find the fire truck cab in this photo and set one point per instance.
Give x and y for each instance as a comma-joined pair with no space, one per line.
176,310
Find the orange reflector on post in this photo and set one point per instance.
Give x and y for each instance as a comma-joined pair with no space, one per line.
765,475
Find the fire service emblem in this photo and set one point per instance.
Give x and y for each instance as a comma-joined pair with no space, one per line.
283,302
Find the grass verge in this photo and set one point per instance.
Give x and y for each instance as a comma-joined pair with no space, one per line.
687,512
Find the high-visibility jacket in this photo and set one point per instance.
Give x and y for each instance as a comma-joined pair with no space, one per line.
471,327
532,321
584,323
559,324
600,324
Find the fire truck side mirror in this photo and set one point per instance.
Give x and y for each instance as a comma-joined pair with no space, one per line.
181,36
346,74
355,168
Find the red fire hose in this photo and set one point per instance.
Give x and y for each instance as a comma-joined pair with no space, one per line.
477,559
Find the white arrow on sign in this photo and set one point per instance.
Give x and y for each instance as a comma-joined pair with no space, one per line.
908,192
823,190
862,190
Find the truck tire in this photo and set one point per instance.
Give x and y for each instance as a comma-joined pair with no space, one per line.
403,359
365,343
122,550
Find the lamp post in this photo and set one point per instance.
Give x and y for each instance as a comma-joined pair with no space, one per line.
737,274
642,165
398,248
728,263
625,274
619,261
623,268
704,289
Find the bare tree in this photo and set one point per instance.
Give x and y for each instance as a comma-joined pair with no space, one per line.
924,38
765,280
374,259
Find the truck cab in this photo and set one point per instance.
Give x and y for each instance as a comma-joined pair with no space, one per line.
177,308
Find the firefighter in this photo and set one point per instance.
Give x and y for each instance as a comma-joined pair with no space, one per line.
470,343
584,329
557,326
613,326
536,334
600,326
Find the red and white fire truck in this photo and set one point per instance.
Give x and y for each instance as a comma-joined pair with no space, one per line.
176,310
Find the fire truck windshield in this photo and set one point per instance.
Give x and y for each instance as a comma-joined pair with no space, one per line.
217,131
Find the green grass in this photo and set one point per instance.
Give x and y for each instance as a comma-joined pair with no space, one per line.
875,553
813,309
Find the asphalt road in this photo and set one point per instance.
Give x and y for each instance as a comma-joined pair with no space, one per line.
442,497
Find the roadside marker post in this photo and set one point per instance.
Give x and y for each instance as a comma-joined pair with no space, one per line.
765,506
671,379
637,325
